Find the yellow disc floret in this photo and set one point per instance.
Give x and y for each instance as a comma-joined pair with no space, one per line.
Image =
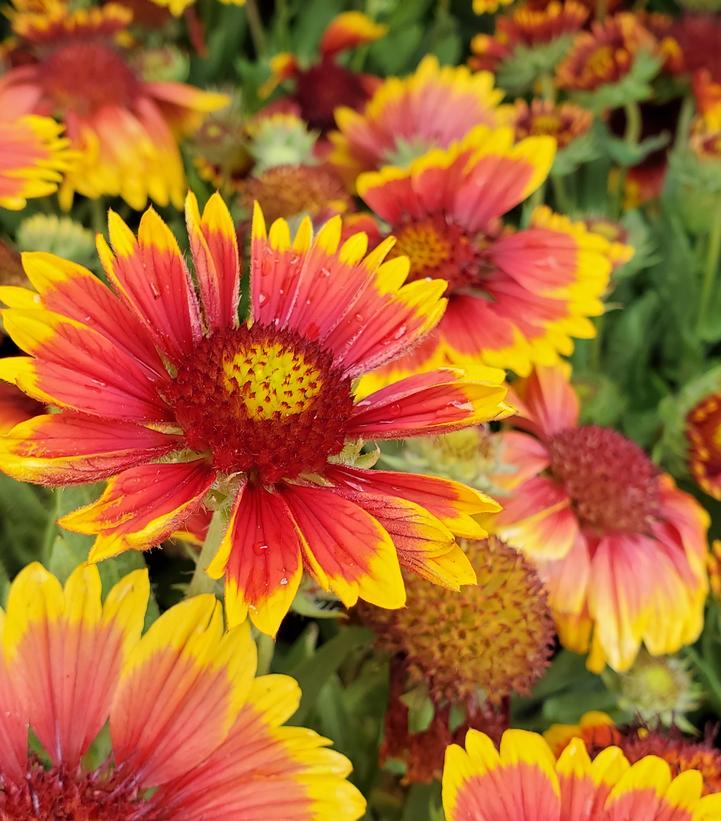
271,380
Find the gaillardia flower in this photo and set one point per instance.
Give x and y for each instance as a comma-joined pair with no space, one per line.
621,549
606,54
296,190
527,28
406,117
515,297
524,781
326,84
598,731
493,639
125,130
565,122
193,733
703,432
161,388
33,152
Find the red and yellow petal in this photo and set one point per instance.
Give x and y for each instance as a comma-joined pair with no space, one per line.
427,404
348,30
539,520
15,407
73,291
142,506
266,770
345,548
180,691
260,556
518,782
66,650
67,448
151,276
424,544
33,157
545,401
352,303
76,367
453,503
214,246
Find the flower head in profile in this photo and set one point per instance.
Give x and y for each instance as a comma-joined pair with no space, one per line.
163,390
325,84
124,130
406,117
598,731
515,297
34,154
193,733
621,549
523,780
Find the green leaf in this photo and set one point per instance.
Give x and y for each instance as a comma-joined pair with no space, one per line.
26,515
420,709
311,674
518,72
633,88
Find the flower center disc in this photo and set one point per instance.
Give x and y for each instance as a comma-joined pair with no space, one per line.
262,400
612,483
438,249
83,77
58,793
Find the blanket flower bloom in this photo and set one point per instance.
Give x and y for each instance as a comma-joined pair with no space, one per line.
193,733
495,638
703,432
515,297
524,781
163,390
606,54
33,153
621,549
598,731
565,122
526,27
125,130
431,108
326,84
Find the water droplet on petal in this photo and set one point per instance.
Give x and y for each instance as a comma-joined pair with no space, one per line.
465,406
400,332
262,299
283,581
260,547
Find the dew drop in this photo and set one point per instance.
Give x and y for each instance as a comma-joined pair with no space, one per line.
259,548
325,272
465,406
154,290
400,332
262,299
283,581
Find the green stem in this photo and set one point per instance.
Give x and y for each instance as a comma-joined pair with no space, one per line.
684,121
201,581
633,123
548,87
255,24
563,204
713,253
266,649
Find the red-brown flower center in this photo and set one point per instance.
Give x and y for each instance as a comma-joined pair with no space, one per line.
439,249
83,77
262,400
60,794
612,483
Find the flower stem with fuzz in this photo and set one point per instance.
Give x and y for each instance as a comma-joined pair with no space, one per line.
710,269
201,581
255,25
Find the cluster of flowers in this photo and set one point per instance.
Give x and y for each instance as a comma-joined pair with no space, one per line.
367,375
